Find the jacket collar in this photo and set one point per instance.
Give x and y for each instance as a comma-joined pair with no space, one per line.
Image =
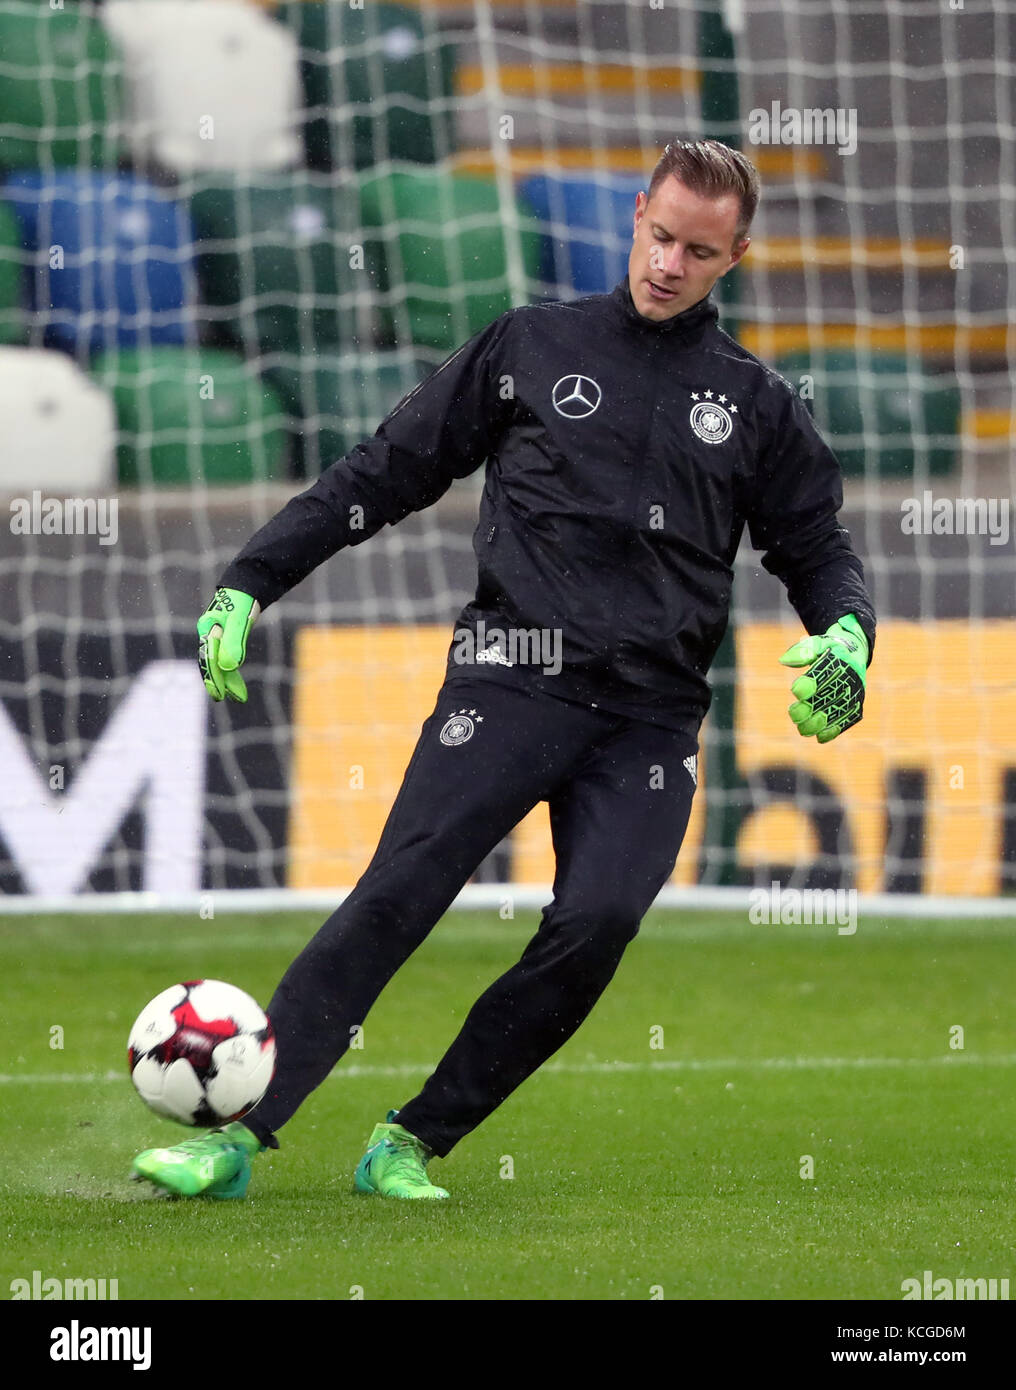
690,320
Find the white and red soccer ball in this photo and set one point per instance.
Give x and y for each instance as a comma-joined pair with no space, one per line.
202,1053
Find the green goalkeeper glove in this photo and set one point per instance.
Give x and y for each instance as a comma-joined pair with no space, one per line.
223,628
830,697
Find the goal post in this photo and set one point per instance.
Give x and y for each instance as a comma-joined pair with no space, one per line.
217,277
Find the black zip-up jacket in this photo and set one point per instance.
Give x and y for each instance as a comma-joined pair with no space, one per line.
624,459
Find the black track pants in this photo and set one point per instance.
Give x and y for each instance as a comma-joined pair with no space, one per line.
620,793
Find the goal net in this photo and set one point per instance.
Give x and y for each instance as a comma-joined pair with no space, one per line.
234,235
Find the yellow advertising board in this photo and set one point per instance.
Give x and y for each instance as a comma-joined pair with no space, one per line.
910,798
927,763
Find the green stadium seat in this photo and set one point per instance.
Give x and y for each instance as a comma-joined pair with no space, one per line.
13,323
442,238
60,88
335,402
274,262
373,88
884,415
192,416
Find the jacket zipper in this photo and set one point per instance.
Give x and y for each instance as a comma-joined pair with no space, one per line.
632,502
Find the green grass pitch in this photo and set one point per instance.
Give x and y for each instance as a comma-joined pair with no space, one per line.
664,1152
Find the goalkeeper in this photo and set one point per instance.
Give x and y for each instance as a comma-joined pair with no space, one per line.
627,443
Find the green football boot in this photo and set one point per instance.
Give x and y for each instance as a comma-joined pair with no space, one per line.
395,1164
217,1165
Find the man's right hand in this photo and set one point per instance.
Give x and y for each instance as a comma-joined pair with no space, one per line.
223,628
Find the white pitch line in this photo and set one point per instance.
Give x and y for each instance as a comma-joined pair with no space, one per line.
690,1064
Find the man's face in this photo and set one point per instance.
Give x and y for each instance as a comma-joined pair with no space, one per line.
683,244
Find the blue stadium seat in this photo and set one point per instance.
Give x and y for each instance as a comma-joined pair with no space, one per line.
110,260
588,222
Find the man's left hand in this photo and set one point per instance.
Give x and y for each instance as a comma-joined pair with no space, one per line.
830,696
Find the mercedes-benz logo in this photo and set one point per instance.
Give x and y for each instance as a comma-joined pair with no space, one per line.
575,396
